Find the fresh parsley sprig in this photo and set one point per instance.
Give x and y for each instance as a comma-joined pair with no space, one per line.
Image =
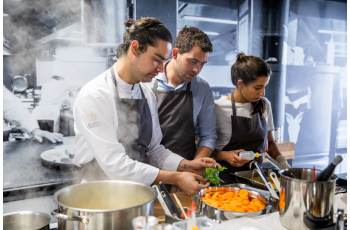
212,175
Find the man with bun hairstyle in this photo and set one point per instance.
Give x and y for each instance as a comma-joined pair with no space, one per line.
116,120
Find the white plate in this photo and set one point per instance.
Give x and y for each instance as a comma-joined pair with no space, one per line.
58,156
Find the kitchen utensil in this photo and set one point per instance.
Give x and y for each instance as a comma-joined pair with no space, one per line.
220,214
274,162
161,200
266,181
57,157
26,220
180,206
326,174
201,222
102,205
276,181
301,195
20,83
313,173
246,177
173,209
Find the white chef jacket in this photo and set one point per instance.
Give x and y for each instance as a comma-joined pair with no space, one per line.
223,108
96,123
16,113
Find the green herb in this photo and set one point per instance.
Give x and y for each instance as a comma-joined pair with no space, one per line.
212,175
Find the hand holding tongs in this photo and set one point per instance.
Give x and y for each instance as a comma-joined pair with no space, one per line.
266,181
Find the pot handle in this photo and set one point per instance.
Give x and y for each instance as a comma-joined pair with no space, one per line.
57,214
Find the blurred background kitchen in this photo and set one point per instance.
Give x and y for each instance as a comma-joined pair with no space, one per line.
66,43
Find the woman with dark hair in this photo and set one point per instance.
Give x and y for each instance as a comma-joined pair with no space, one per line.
244,118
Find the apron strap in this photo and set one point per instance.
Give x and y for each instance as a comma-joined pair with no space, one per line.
115,83
155,86
188,87
233,105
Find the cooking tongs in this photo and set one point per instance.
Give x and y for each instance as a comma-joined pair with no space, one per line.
266,181
275,163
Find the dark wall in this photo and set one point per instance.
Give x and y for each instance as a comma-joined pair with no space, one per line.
165,11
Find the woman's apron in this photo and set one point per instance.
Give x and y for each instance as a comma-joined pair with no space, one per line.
249,134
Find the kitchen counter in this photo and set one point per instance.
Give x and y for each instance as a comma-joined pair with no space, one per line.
24,176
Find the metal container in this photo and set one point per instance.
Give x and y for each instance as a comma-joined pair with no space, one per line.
26,220
20,83
245,177
102,205
301,194
221,214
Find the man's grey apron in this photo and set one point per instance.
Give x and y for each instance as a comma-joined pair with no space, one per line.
134,132
249,134
175,110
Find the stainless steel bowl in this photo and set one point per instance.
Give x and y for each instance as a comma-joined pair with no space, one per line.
26,220
221,214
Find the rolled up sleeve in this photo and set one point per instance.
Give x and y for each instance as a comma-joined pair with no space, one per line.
96,122
207,120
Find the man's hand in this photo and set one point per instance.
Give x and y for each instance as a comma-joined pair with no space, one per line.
199,165
188,182
174,189
233,159
38,135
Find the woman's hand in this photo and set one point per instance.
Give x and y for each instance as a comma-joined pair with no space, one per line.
233,159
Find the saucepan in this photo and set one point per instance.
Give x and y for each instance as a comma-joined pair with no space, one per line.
102,205
26,220
301,195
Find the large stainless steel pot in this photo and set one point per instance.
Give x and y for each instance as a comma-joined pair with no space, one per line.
301,194
26,220
221,214
102,205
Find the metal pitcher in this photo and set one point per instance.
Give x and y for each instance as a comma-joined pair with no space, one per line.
301,194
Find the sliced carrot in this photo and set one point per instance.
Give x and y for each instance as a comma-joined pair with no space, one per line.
243,193
245,202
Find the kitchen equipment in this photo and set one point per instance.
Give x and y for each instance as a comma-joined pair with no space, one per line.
144,222
171,205
276,181
60,157
326,174
301,195
20,83
246,177
201,222
273,162
102,205
26,220
220,214
278,134
266,181
161,200
180,205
